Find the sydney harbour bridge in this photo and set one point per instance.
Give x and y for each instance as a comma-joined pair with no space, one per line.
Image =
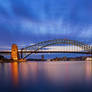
42,47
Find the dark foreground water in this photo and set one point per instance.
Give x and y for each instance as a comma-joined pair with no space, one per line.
46,77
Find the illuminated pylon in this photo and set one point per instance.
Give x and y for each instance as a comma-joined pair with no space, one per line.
14,52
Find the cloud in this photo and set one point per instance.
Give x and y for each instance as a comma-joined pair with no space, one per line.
6,8
25,20
86,33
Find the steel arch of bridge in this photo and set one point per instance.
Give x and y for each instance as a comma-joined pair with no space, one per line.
43,44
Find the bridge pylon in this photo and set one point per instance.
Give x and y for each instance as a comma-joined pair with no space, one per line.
14,52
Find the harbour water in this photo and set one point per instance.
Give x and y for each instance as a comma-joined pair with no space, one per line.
60,76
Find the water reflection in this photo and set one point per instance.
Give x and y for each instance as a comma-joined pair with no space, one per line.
57,72
40,76
88,67
64,72
28,71
15,73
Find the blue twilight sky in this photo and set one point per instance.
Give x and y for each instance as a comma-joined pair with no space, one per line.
29,21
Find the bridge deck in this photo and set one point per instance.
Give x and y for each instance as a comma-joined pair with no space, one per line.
80,52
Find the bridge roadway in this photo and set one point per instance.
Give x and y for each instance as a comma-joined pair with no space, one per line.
79,52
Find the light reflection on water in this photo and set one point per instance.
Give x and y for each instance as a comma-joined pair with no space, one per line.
46,76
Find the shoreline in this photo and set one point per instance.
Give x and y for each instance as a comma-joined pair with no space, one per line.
56,59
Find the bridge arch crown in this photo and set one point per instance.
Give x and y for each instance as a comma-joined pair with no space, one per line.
43,44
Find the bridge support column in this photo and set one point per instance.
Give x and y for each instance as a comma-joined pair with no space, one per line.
21,54
42,57
14,52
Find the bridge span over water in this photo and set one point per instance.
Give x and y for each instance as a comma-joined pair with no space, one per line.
42,47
